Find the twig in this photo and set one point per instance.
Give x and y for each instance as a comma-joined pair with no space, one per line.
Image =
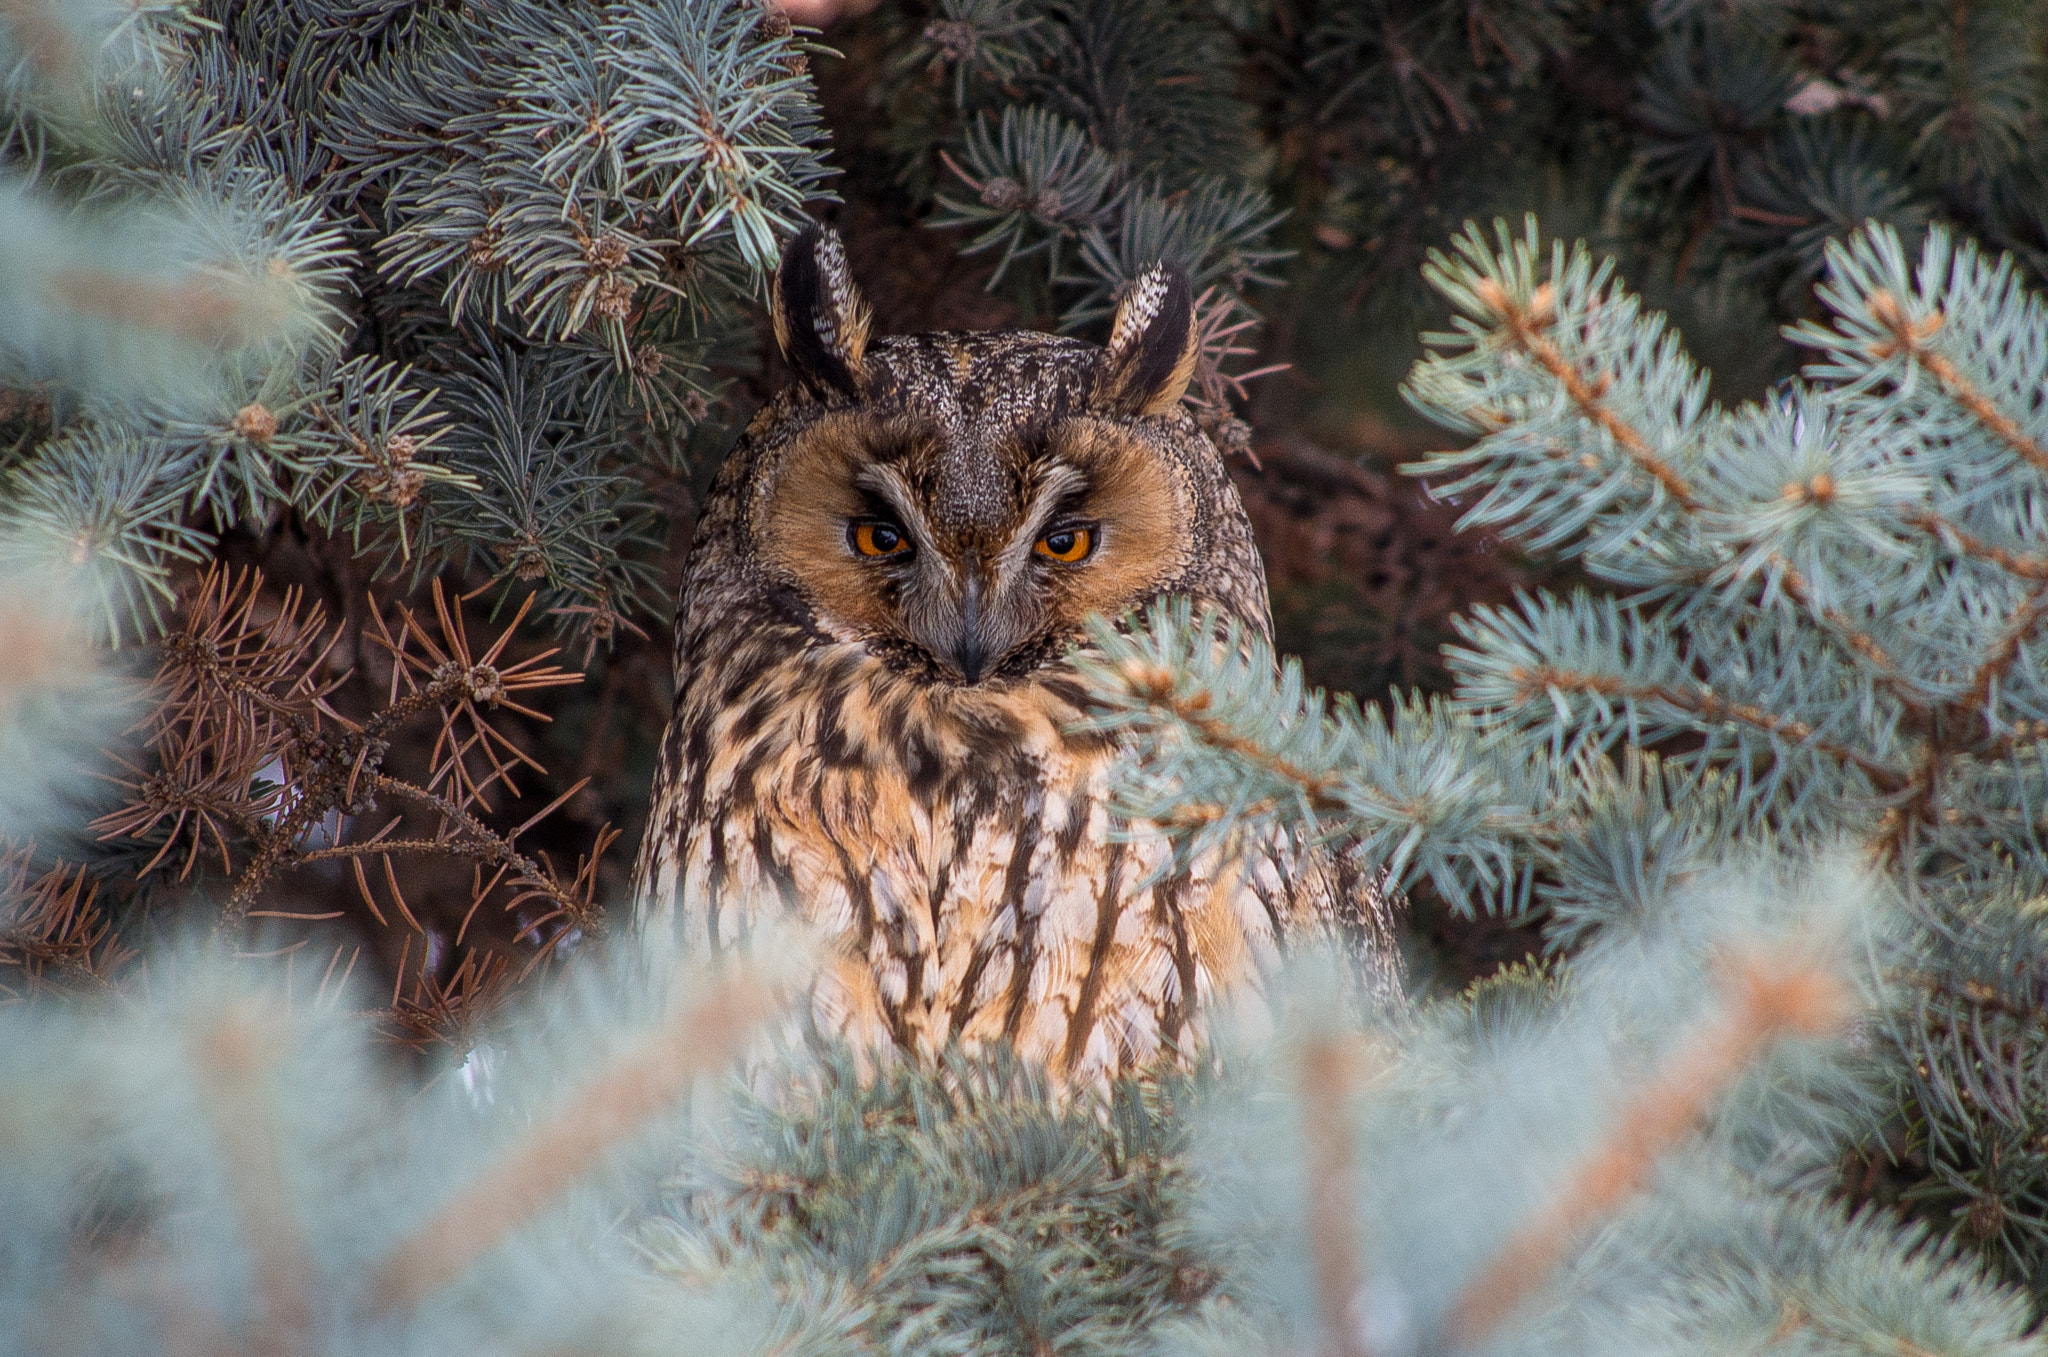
231,1057
1910,338
1708,707
2020,626
1158,688
1764,1003
2025,566
1327,1075
702,1037
1525,326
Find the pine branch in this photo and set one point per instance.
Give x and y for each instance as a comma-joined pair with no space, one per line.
1594,436
54,935
1705,706
1226,739
1766,1001
614,1104
1525,328
1838,635
230,1058
255,767
1957,313
1909,337
1327,1076
238,1165
1037,182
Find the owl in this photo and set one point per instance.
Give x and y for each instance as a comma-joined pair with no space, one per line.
877,715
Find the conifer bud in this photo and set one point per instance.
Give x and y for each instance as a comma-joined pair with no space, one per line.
482,249
607,251
954,39
397,482
525,555
1004,195
615,298
255,423
1986,1218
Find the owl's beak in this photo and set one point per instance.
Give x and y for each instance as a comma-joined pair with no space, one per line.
970,650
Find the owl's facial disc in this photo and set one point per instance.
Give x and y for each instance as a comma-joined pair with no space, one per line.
973,564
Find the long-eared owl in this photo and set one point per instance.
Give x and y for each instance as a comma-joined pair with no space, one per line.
875,713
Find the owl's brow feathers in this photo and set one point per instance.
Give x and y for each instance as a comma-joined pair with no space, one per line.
1050,487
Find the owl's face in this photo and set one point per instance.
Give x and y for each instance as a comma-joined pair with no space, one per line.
972,543
960,504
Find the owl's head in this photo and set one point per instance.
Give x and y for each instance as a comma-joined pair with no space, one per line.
960,503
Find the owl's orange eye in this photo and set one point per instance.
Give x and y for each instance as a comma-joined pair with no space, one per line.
1067,545
879,539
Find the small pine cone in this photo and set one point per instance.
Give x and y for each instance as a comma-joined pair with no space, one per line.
604,619
1049,205
255,423
607,251
1004,195
1190,1284
397,481
399,487
615,298
525,556
483,249
485,684
1987,1218
953,39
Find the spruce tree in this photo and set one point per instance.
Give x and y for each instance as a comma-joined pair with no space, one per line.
355,351
1714,148
361,353
1821,631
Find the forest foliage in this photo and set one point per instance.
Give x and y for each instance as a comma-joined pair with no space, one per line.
364,359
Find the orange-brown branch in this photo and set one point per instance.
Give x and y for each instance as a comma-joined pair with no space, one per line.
2006,653
1525,326
193,310
1910,338
1707,706
1327,1075
231,1057
1155,685
39,31
1763,1003
701,1038
2013,562
1845,630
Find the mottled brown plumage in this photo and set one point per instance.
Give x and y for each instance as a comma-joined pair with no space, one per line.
873,729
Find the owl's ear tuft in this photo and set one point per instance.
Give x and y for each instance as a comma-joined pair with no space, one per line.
1151,352
821,323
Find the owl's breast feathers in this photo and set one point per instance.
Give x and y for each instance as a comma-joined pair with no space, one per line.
956,843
